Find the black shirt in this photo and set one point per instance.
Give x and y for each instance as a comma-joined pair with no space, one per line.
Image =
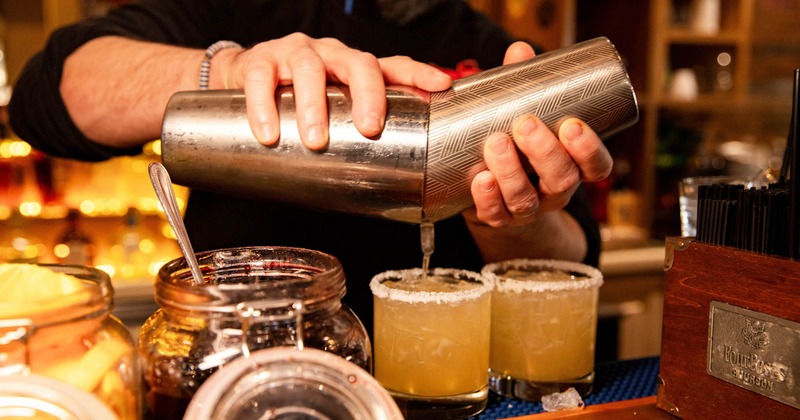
449,33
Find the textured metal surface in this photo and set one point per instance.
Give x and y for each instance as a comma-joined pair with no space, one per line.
421,166
586,80
208,144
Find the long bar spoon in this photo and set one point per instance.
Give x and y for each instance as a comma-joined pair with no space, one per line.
162,184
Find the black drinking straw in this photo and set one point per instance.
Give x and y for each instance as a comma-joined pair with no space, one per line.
794,182
788,151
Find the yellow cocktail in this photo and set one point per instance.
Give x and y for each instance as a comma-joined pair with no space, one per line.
544,325
431,339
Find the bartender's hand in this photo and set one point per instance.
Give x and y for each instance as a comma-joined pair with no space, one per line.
308,64
504,194
508,203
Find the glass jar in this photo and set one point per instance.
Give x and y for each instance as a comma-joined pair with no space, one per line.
198,328
56,322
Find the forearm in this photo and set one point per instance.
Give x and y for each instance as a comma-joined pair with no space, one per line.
116,89
554,235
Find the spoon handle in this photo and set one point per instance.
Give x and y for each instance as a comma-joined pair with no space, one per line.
162,184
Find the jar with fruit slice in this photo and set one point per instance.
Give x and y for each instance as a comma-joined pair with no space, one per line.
56,322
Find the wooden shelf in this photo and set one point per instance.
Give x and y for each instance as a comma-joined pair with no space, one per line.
680,36
656,42
708,102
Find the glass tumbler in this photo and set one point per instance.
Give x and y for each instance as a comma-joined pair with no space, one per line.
544,326
432,340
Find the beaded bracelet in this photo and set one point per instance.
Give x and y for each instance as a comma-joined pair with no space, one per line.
205,65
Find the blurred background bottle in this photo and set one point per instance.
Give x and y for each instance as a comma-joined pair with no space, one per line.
74,246
133,250
624,207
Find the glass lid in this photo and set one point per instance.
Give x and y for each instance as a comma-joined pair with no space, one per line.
284,383
38,397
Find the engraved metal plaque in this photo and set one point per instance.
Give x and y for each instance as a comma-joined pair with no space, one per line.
755,351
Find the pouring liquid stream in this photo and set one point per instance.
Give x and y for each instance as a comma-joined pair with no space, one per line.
427,242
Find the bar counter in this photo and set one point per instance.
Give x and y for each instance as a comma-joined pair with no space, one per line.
621,385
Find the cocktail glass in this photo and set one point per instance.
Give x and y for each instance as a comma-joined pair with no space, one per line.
544,326
431,340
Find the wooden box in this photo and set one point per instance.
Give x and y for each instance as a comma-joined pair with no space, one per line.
730,342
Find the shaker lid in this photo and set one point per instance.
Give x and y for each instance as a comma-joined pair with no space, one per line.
286,382
35,396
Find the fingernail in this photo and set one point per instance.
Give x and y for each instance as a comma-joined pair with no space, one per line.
527,126
487,184
573,131
498,145
316,137
266,134
373,123
442,76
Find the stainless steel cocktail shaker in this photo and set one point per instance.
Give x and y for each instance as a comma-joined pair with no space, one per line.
421,166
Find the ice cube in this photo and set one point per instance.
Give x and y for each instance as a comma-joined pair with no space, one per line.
567,400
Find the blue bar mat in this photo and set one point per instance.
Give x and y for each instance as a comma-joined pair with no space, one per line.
614,381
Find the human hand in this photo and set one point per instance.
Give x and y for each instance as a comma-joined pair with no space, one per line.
504,194
309,64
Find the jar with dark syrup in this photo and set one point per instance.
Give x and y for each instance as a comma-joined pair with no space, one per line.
199,328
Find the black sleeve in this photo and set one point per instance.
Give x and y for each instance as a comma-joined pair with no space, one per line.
37,113
452,32
581,210
449,33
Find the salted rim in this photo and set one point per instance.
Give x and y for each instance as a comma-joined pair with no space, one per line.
382,291
504,284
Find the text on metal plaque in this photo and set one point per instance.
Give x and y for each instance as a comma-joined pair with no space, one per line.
755,351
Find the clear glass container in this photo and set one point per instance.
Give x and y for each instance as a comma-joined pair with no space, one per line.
37,397
286,382
242,306
56,322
